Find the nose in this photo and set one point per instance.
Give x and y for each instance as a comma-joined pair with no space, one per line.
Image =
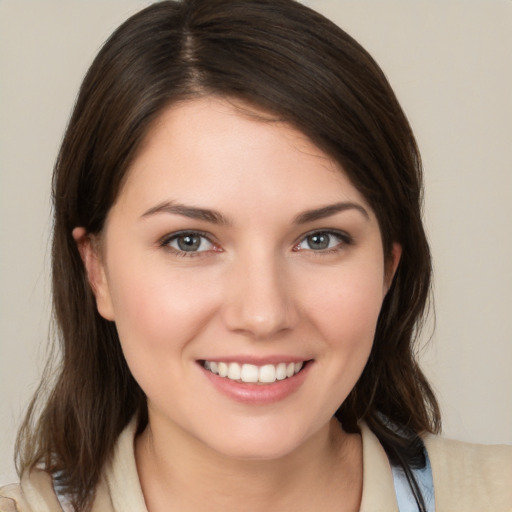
259,300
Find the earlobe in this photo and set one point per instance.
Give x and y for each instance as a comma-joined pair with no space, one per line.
88,247
392,265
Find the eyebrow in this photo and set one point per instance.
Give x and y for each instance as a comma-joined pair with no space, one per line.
327,211
191,212
215,217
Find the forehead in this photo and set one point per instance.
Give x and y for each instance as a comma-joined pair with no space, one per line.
214,151
213,121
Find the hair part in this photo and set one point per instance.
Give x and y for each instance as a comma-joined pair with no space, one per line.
284,59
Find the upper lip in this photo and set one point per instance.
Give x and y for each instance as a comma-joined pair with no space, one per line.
257,360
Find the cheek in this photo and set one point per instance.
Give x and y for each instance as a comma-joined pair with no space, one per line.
345,313
158,309
159,314
341,311
347,308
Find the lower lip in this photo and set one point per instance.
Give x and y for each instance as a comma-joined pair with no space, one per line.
258,394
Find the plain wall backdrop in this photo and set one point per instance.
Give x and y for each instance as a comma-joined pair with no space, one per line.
450,65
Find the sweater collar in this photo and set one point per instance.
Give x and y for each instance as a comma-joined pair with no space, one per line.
123,483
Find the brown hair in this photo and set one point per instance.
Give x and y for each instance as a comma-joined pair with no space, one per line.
288,60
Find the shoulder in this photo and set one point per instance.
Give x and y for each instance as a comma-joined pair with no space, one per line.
470,476
11,499
35,493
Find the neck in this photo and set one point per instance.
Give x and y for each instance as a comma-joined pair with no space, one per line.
181,473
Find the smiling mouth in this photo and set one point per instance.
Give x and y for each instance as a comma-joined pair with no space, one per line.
250,373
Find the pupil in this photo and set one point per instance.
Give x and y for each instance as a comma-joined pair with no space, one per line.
318,241
189,242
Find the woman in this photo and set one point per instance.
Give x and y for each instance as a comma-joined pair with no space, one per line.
239,268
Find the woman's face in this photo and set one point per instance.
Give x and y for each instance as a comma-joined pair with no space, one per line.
245,275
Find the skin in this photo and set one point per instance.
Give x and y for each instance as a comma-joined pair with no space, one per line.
255,288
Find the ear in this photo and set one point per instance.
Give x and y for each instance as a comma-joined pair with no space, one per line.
88,247
392,265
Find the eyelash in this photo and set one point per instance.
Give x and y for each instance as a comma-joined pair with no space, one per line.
166,241
344,240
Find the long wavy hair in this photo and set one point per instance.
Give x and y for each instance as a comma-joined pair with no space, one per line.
293,63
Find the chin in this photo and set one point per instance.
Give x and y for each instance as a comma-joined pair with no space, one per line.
258,444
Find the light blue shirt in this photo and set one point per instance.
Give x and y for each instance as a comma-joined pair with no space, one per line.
404,495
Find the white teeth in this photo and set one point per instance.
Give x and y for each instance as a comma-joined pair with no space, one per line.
223,369
281,371
234,371
267,373
251,373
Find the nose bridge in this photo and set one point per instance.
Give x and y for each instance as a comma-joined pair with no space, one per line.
258,298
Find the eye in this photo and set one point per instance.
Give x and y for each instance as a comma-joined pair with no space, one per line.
322,241
188,242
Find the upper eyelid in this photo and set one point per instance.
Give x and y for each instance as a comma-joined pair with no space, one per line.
345,239
171,236
344,235
165,243
330,231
